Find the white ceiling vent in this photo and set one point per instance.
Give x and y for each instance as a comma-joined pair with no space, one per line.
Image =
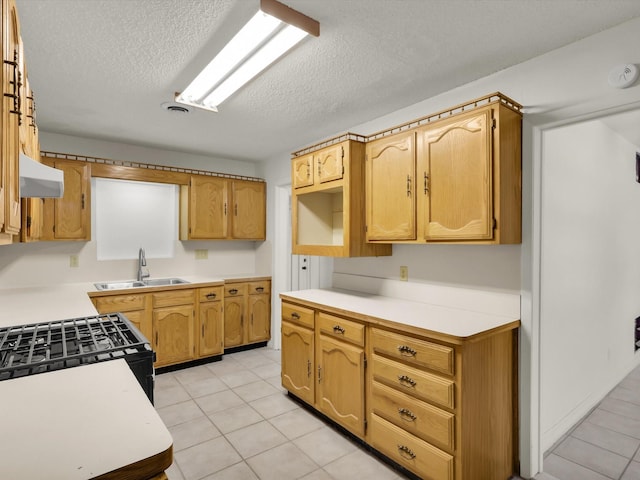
175,107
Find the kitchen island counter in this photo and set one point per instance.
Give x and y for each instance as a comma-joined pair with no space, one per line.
80,423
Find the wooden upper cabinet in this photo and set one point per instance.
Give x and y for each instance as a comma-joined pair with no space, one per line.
249,210
207,208
329,163
454,180
328,216
69,217
218,208
325,165
302,171
456,168
391,188
12,116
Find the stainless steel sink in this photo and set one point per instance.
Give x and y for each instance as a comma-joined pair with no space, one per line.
118,285
150,282
156,282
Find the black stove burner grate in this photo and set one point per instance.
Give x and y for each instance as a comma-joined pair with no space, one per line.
43,347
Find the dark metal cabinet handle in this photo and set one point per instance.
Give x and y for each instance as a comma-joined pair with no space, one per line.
406,381
406,351
295,315
408,185
233,291
259,289
319,374
338,329
211,296
426,183
308,368
407,414
406,452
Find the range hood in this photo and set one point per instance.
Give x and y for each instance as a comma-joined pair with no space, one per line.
38,180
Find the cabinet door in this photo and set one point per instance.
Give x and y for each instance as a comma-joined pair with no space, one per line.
173,334
297,361
208,207
142,322
340,393
391,188
211,327
69,217
302,171
259,318
329,163
233,321
249,210
456,163
12,116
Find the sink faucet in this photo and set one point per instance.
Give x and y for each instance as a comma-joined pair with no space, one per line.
142,262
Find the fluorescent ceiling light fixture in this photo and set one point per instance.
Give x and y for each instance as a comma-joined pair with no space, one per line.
270,33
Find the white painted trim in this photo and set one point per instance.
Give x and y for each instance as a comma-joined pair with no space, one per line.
281,258
532,448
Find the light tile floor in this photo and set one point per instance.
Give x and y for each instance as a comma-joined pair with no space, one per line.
231,420
605,444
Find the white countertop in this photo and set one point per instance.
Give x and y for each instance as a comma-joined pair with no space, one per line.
48,303
77,423
433,318
44,304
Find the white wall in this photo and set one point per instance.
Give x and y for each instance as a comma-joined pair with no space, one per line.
590,270
43,263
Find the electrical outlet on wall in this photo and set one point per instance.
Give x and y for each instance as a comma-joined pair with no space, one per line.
74,261
404,273
202,254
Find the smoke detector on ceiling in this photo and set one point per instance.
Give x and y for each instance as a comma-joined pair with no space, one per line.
623,76
175,107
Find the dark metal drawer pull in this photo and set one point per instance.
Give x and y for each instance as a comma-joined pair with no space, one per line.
406,351
406,452
295,315
233,291
260,289
338,329
404,380
406,413
211,296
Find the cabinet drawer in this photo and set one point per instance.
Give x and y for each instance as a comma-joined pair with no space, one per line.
415,416
422,385
235,290
120,303
296,314
413,351
172,298
414,454
210,294
341,328
259,287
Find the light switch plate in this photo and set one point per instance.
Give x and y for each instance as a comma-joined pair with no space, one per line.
74,261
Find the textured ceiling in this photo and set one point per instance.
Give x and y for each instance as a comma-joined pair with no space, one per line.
102,68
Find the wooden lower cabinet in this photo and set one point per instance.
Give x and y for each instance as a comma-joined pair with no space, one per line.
298,361
247,315
340,393
132,306
411,452
173,335
444,408
259,328
210,321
